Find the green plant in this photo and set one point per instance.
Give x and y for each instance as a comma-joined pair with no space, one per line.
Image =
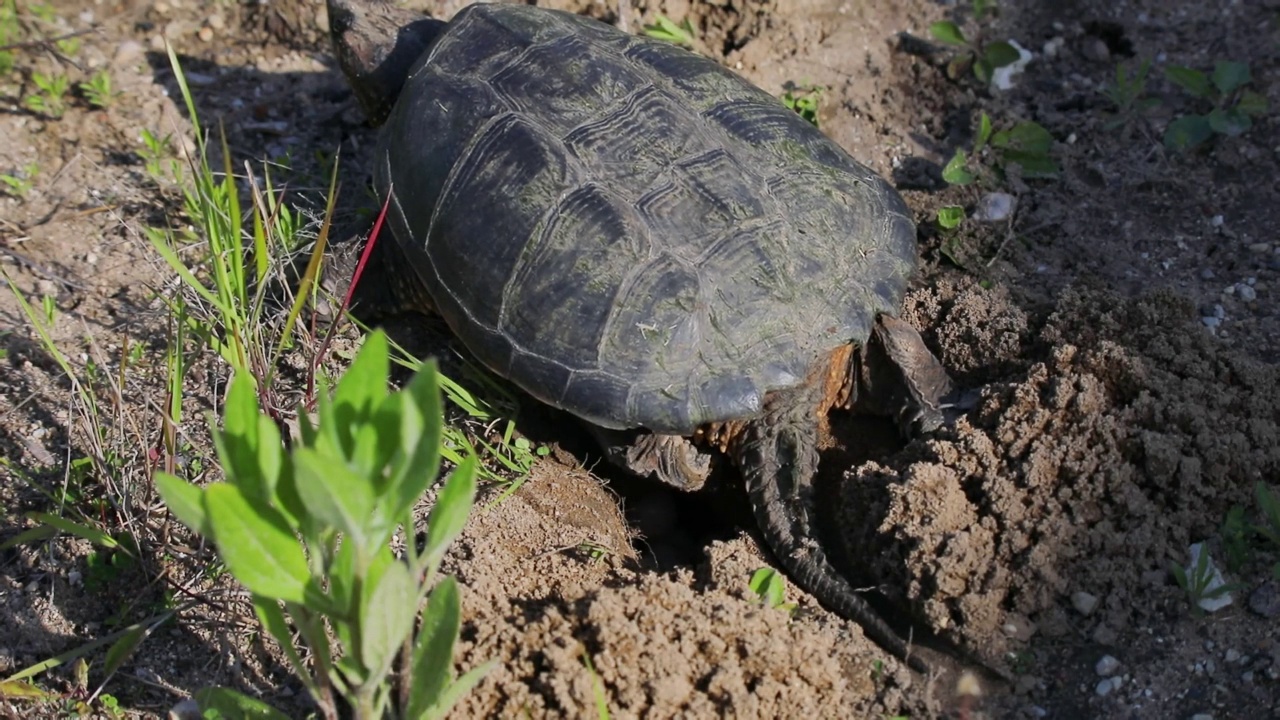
597,688
1026,144
1232,107
10,32
950,217
1128,93
1269,507
310,528
97,90
1235,538
771,587
982,57
157,156
20,183
666,29
1203,582
803,99
50,100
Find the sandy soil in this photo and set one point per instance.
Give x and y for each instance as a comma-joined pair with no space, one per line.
1121,329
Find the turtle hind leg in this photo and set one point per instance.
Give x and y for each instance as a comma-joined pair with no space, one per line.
898,376
778,457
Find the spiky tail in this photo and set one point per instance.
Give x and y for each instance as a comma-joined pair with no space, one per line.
778,457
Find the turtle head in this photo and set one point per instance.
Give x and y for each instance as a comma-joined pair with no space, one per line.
377,44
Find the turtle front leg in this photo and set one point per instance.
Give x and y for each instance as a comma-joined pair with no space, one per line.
673,459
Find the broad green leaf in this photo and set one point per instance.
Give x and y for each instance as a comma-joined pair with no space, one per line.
1230,76
1034,165
956,172
185,501
1193,81
387,618
92,534
1229,121
950,217
984,133
257,545
983,70
768,585
948,32
336,496
1027,136
219,703
449,515
999,54
1187,132
362,386
270,450
420,437
1252,103
433,648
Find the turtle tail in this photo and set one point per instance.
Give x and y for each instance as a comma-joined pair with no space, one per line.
778,458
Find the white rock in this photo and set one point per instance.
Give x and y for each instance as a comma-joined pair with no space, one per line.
994,207
1084,603
1213,598
1106,666
1002,77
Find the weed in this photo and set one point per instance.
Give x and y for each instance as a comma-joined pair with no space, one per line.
982,57
1269,506
10,32
771,587
1128,93
157,156
1232,106
666,29
50,100
803,99
355,475
1201,581
1235,538
597,688
950,217
1025,144
97,90
20,183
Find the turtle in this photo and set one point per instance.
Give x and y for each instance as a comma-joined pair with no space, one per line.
634,234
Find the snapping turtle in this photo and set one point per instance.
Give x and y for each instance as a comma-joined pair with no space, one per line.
634,234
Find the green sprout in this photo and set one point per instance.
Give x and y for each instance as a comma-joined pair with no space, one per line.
1232,110
666,29
803,99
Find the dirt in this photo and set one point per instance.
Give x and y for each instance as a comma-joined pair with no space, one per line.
1120,333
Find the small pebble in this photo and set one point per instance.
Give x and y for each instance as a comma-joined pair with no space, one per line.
1232,655
1206,274
1211,322
1104,687
1260,247
1084,603
1107,666
1202,716
1246,293
205,34
994,207
1265,601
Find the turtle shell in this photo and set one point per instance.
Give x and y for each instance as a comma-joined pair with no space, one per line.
625,229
